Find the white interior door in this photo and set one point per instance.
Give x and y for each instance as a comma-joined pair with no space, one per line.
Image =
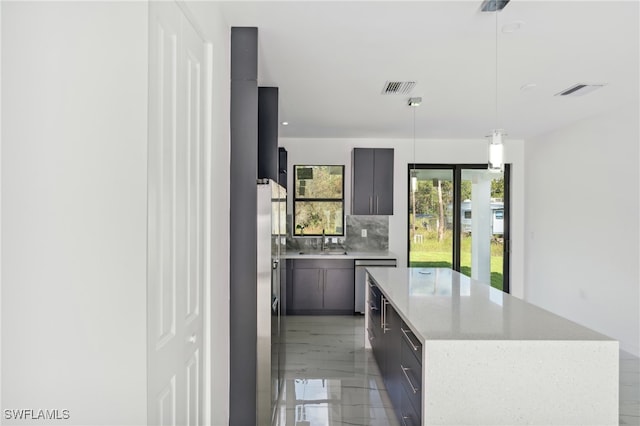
177,190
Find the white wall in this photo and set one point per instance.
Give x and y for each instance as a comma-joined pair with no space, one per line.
338,151
216,31
582,224
74,137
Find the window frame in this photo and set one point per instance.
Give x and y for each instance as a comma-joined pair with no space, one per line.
332,200
457,213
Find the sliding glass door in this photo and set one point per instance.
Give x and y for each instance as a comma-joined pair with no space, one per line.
431,227
459,218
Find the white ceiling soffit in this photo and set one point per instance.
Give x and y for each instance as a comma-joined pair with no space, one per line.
330,60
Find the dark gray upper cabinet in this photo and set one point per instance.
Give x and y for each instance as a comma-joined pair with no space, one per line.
268,154
282,167
372,181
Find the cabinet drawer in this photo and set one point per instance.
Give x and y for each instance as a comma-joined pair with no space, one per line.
412,342
374,296
409,416
373,330
411,375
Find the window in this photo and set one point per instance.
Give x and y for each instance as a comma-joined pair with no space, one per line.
445,230
318,202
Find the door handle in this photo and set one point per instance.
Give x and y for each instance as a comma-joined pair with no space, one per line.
192,339
371,337
406,336
377,205
406,376
385,328
370,205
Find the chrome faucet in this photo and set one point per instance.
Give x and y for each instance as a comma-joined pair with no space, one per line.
322,247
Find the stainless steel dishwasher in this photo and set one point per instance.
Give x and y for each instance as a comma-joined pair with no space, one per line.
361,278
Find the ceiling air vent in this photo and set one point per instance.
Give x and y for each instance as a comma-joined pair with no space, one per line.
493,5
398,87
580,89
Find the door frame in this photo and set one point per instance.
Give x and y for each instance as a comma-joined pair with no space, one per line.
457,179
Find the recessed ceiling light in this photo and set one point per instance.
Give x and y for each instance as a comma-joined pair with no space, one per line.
512,27
285,123
528,86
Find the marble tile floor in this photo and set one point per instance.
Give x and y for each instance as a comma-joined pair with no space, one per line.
331,380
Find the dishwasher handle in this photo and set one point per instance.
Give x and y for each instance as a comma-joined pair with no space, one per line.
392,263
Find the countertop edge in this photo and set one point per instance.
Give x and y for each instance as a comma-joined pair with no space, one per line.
601,338
350,255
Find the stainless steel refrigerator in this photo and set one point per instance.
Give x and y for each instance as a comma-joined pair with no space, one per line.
271,239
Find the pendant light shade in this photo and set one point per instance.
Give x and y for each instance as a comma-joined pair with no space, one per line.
496,150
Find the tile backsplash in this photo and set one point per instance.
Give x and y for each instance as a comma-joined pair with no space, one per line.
377,239
377,231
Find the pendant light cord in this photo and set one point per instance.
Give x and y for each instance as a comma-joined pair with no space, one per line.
496,126
414,140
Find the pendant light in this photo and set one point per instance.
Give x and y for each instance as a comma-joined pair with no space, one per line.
496,143
414,103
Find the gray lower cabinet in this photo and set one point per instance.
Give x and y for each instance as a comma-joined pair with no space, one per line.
307,292
339,289
399,357
321,286
392,345
372,181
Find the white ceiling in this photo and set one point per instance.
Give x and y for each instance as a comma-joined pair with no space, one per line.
331,59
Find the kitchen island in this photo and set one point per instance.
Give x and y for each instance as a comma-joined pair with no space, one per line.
454,351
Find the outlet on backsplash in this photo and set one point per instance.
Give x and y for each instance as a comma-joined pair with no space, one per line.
363,233
367,233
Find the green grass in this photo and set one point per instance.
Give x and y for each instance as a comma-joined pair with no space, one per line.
433,254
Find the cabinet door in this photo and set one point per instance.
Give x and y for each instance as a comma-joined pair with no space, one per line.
362,184
392,342
307,289
282,167
374,325
339,290
383,181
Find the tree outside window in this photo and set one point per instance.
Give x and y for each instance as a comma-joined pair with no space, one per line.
318,202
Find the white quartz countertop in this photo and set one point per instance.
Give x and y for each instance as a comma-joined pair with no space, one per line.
350,255
442,304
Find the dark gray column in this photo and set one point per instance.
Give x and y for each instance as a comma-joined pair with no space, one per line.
268,133
243,226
